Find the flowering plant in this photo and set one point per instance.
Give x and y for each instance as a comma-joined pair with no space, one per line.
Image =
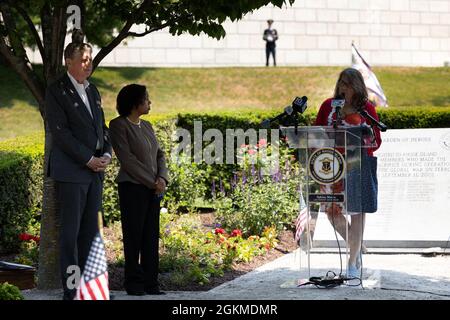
29,249
257,200
255,157
219,231
236,233
191,253
29,237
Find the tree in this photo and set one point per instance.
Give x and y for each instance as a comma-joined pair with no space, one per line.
42,24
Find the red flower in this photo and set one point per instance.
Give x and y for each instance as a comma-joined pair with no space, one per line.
24,237
236,232
262,142
28,237
251,152
219,231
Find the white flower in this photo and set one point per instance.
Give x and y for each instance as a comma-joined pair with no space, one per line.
163,210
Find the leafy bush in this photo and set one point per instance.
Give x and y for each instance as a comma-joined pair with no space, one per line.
190,253
401,118
29,249
10,292
258,200
414,118
111,209
187,183
21,181
231,120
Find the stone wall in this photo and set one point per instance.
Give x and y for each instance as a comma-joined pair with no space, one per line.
311,32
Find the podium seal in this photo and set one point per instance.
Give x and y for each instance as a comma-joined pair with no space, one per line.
326,166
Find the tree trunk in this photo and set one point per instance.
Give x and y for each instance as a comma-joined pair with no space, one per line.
49,271
54,33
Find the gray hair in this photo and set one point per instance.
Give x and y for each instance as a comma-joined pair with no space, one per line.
77,44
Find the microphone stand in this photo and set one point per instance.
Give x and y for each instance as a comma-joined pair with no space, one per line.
295,116
338,117
292,111
379,124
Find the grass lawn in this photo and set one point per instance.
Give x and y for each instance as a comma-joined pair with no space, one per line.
175,90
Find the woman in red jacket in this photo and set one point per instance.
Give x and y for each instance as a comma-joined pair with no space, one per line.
350,85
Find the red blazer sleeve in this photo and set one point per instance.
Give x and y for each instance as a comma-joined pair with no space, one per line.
371,110
322,115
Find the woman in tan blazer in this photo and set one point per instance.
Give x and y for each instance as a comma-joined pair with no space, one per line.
142,179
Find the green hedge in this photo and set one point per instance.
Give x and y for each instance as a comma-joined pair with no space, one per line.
21,180
415,118
410,118
21,161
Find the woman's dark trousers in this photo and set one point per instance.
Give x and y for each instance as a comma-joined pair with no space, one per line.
139,209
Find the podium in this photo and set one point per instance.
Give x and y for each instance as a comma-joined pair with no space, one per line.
332,161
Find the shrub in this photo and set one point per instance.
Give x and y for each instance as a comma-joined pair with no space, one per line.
256,200
231,120
21,181
187,183
10,292
414,118
29,249
111,209
190,253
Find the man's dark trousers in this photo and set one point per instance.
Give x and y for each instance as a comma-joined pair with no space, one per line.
81,203
270,49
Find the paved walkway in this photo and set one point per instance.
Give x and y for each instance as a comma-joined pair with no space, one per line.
386,277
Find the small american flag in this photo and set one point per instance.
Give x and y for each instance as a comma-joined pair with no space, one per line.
300,223
94,280
302,219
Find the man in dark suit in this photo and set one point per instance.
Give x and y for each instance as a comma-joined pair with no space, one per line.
79,154
270,36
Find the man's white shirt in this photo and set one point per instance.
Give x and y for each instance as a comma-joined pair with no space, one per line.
81,90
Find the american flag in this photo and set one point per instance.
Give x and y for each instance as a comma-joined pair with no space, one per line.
94,280
302,219
300,223
374,90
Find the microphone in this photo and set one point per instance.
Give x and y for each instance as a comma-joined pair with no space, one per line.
338,103
298,106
